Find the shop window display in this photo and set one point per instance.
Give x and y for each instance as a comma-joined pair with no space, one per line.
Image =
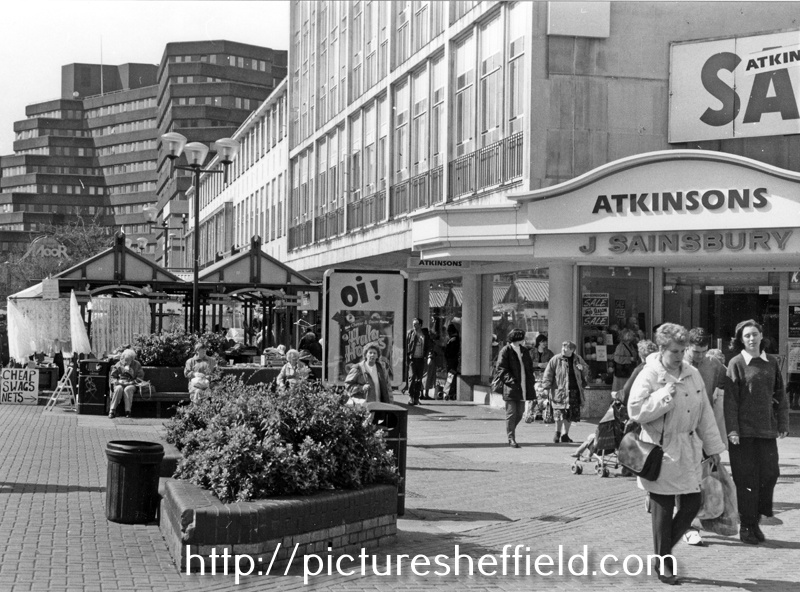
611,299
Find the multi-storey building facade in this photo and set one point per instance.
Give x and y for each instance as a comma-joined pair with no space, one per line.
206,89
500,143
252,202
94,152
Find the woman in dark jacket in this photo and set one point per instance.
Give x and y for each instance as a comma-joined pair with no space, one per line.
452,355
514,372
756,415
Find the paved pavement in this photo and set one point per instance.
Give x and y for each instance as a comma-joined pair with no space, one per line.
465,487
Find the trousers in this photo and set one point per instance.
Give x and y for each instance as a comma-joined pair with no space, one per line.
668,529
754,467
119,392
514,411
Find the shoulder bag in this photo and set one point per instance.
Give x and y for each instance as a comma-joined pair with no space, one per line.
643,459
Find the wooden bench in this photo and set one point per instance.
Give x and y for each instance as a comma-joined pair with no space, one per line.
162,401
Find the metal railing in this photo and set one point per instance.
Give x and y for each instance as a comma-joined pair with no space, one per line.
329,224
300,235
421,191
487,167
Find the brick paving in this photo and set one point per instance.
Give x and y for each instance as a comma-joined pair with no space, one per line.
465,487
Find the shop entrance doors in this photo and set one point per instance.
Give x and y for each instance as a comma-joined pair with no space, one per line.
718,301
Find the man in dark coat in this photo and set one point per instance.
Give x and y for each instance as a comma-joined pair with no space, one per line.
418,348
514,373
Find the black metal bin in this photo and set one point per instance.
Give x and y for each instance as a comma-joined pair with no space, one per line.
132,481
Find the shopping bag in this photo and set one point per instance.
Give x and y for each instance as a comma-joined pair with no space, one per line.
549,416
712,492
146,390
727,523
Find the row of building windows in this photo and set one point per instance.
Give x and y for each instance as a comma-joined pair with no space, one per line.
227,60
260,213
40,208
136,228
130,167
487,89
132,188
53,170
127,147
128,209
256,143
195,79
63,189
123,128
58,114
125,107
44,133
187,123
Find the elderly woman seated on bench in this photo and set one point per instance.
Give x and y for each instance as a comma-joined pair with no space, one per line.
124,375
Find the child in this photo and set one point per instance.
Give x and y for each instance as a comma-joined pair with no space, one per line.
199,382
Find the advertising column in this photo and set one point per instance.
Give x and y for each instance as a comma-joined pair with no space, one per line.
363,307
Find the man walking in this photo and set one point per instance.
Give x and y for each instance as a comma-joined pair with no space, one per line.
418,347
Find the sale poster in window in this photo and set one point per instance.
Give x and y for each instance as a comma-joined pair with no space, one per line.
360,308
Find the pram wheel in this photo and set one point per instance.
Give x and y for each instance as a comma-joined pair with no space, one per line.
605,472
599,468
576,468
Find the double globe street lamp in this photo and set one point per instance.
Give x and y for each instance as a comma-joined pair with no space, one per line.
176,144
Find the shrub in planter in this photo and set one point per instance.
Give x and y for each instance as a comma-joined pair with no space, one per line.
250,442
171,348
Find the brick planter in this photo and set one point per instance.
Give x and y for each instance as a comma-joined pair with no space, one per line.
346,521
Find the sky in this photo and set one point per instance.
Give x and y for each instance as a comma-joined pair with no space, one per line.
38,37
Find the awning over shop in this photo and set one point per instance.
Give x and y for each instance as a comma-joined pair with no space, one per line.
437,298
532,290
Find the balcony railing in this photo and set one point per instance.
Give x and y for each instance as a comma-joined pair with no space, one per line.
300,235
488,167
329,224
422,191
368,211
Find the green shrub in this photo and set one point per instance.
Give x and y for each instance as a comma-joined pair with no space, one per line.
172,348
250,442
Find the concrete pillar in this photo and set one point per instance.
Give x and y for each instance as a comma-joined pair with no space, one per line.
470,325
412,302
487,301
424,303
561,308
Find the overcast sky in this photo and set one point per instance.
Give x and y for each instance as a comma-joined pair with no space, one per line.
37,38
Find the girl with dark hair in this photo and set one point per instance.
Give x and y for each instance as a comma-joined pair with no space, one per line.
540,356
756,414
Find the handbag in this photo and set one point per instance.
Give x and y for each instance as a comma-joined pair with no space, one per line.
549,416
643,459
146,389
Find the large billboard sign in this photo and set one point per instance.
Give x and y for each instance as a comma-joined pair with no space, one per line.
363,307
735,88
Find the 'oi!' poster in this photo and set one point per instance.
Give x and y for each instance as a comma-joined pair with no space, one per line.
363,307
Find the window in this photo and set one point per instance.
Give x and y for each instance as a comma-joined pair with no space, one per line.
516,73
421,24
464,103
437,133
370,172
491,93
403,43
401,99
419,128
355,159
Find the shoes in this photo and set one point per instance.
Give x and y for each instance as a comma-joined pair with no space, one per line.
566,439
756,528
692,537
557,437
575,455
112,414
669,580
513,443
412,402
529,419
128,414
747,536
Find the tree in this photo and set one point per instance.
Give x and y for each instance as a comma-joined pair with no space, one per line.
81,240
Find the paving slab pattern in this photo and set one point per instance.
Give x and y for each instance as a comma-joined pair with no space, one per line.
465,488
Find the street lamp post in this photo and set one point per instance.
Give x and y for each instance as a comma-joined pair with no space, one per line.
196,152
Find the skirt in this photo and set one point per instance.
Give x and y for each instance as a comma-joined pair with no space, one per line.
573,412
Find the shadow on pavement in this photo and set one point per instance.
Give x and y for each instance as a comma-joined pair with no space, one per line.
457,470
428,515
754,585
45,488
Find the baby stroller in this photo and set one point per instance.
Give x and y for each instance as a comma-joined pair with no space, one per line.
602,446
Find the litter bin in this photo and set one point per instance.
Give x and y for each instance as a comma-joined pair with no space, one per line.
132,482
393,420
93,386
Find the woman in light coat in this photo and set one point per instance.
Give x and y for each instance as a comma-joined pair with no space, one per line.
668,397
